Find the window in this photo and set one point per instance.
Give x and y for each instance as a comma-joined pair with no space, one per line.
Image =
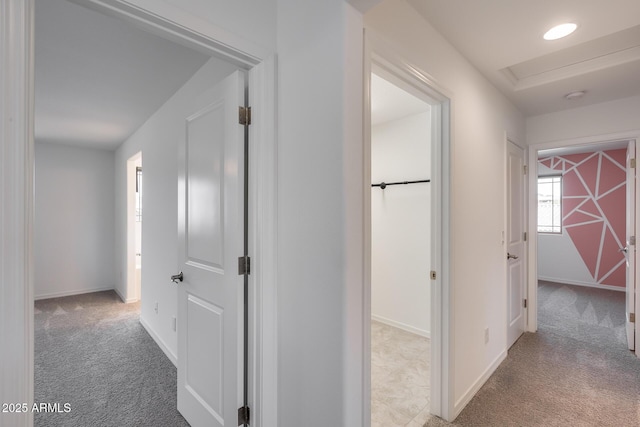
550,204
138,194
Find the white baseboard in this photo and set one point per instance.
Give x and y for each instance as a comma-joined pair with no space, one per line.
475,387
402,326
577,283
161,344
70,293
123,299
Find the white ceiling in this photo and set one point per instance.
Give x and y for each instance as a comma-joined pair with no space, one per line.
503,39
99,78
389,102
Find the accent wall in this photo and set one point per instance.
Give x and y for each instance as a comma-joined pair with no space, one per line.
586,252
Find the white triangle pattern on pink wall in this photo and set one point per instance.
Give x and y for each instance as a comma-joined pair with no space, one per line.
593,210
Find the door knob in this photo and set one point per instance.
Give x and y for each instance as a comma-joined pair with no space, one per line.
177,278
623,250
511,256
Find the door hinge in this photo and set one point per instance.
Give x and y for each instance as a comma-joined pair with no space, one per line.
244,115
525,236
525,303
433,275
632,240
524,168
633,163
632,317
243,415
244,265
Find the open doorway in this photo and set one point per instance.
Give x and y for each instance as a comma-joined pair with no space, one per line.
406,241
134,227
119,92
585,218
400,254
236,53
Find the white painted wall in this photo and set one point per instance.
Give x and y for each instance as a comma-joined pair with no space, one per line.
400,223
158,140
600,119
245,26
74,223
320,240
560,262
480,117
253,21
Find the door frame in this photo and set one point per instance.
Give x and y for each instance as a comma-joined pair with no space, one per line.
16,306
532,291
631,223
380,54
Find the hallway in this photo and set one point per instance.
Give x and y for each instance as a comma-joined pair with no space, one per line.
557,377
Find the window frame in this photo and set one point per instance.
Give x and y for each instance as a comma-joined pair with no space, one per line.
552,225
138,194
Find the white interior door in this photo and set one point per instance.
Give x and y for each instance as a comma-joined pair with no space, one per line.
210,234
515,242
630,248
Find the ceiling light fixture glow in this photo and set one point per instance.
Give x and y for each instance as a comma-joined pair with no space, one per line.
560,31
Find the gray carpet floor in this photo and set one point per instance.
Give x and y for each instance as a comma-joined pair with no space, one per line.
92,352
575,371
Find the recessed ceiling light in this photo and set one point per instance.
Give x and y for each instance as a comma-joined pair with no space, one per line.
560,31
575,94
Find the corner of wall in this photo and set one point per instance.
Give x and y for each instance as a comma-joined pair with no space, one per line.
466,397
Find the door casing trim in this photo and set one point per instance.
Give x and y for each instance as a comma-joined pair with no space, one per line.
380,54
532,281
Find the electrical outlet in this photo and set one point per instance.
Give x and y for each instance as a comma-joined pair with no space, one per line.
486,335
174,323
156,307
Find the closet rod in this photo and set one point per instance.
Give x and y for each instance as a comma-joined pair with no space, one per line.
383,185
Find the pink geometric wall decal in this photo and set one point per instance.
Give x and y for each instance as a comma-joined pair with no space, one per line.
613,206
619,156
559,166
571,185
586,180
611,175
590,207
587,240
578,217
610,254
619,275
589,172
568,205
576,158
